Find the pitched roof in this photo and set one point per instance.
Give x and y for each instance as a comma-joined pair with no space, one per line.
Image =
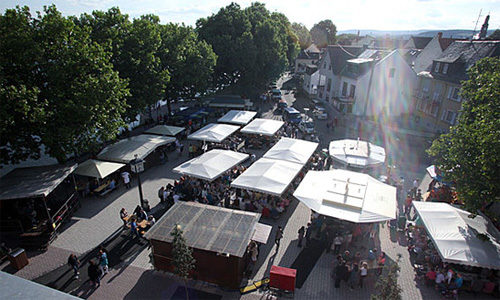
304,54
313,49
339,55
446,42
420,41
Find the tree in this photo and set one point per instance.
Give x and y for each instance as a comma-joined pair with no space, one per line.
182,256
346,38
495,35
323,33
302,34
189,60
387,286
469,154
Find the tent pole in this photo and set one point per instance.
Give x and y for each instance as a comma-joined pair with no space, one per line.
44,200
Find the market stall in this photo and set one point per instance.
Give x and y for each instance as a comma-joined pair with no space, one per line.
96,176
214,133
268,176
165,130
292,150
265,127
356,153
238,117
348,195
211,164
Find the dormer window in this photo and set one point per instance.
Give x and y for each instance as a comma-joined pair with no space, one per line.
445,68
438,65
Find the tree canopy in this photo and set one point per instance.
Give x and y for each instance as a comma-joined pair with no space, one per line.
324,33
469,154
303,34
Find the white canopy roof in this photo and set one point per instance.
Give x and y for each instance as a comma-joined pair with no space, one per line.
348,195
357,153
96,168
268,176
293,150
213,132
263,126
455,235
240,117
124,150
211,164
165,130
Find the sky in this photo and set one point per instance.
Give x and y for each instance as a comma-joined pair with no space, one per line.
346,15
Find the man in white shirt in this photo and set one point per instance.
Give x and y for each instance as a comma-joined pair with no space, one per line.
176,198
126,179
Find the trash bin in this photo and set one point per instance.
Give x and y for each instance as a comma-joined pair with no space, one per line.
18,258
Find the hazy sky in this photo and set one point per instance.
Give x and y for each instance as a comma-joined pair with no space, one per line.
346,14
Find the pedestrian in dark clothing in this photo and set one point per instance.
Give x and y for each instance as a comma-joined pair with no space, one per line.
137,210
354,276
94,273
301,233
308,234
341,273
160,194
75,264
279,235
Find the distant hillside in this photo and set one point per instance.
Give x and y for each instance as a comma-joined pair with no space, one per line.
455,33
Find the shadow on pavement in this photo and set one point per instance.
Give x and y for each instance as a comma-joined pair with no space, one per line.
306,260
152,285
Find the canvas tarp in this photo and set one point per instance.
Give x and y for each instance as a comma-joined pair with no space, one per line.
33,182
455,235
268,176
124,150
357,153
293,150
239,117
347,195
215,133
97,169
211,164
165,130
263,126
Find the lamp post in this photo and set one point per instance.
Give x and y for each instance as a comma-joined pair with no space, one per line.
137,166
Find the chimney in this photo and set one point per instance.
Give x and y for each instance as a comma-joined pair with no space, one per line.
440,35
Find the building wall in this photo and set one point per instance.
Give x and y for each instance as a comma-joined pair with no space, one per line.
310,84
300,64
391,89
326,78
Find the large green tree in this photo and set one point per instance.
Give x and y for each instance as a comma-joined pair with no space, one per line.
469,154
303,34
189,61
324,33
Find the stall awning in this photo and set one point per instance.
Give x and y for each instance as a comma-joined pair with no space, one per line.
455,235
207,227
348,195
292,150
268,176
211,164
165,130
263,126
97,169
33,182
215,133
261,233
357,153
239,117
123,151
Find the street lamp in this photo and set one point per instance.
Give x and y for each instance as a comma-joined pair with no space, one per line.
137,166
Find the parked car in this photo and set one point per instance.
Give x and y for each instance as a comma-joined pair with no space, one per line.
320,113
282,104
292,115
306,125
276,94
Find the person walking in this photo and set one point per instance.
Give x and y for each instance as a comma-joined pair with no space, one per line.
337,243
94,273
75,264
381,262
126,179
363,272
308,234
279,235
124,216
301,233
161,191
103,261
354,276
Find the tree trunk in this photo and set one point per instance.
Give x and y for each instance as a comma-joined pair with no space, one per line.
186,288
169,107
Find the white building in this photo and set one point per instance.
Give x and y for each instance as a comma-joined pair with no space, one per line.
311,80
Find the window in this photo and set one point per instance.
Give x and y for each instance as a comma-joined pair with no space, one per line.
436,68
426,83
329,84
324,65
434,109
449,117
330,67
454,94
445,68
391,72
344,89
353,91
437,91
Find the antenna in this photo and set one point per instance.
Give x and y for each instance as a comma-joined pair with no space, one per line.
475,26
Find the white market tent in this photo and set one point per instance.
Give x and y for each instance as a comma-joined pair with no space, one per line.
239,117
348,195
455,235
97,169
211,164
293,150
123,151
213,132
268,176
357,153
263,126
165,130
